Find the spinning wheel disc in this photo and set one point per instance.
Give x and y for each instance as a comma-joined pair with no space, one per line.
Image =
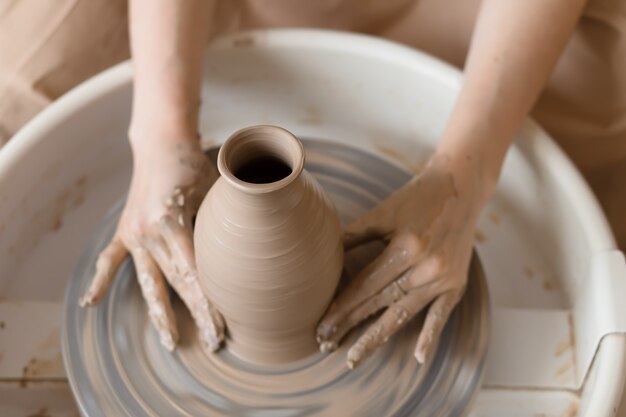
117,367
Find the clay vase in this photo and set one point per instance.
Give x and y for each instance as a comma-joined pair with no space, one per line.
268,246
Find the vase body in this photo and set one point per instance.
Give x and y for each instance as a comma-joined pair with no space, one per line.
268,246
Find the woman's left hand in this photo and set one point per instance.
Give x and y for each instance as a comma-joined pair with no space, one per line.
429,224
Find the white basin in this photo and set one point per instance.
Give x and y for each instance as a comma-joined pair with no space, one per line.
537,236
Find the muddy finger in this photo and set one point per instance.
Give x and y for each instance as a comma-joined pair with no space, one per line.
394,261
436,318
107,265
389,295
393,319
184,279
155,293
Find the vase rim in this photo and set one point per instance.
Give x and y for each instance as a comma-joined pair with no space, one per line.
275,141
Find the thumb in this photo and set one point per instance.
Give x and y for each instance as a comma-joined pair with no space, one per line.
376,224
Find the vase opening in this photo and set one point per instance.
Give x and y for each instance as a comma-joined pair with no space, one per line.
261,158
263,170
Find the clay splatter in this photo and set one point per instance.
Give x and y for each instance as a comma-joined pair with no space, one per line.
571,411
244,41
564,369
572,337
58,223
312,115
550,284
565,374
528,271
72,197
479,236
42,367
41,413
43,364
563,347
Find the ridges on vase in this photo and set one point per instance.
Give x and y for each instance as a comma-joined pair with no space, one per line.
268,246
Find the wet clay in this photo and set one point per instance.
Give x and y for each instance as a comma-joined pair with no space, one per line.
412,273
194,382
268,247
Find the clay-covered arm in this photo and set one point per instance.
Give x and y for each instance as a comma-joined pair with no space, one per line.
430,222
171,173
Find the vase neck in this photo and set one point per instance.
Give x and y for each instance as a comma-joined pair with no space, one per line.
262,162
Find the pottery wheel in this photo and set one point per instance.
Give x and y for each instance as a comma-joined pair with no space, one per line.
117,367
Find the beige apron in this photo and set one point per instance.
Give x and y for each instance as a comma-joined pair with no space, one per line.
47,47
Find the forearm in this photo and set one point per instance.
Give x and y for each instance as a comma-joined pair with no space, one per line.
515,47
167,40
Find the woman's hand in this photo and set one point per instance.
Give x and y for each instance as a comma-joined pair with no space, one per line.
429,224
170,179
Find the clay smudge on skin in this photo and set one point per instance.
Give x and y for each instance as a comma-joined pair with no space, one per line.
394,220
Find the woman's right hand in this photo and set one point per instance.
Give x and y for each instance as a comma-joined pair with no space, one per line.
170,179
